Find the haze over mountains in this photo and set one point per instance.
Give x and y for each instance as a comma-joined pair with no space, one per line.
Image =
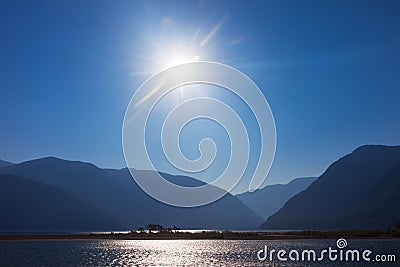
270,199
359,191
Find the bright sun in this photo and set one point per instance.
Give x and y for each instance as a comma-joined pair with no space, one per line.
173,56
171,45
179,59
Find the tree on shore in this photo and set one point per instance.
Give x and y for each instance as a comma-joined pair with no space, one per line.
155,227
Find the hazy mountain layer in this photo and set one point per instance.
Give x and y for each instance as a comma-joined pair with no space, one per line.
270,199
114,193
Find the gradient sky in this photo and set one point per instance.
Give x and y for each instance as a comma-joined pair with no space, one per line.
330,71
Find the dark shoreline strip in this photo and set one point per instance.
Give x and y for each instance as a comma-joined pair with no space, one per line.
213,235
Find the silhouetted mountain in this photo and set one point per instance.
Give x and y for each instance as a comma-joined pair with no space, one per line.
31,206
115,193
5,163
360,190
270,199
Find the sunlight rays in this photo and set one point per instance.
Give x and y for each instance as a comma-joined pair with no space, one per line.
168,43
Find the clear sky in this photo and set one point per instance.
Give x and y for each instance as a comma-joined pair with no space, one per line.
330,71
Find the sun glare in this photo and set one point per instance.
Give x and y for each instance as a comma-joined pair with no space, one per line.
178,59
173,57
172,44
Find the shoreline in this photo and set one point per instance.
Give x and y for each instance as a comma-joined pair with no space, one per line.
208,235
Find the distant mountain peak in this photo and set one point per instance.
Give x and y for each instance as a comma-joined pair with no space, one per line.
371,147
51,160
269,199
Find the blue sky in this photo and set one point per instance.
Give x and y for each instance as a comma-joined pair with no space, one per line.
329,70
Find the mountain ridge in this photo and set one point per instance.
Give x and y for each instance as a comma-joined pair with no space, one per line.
343,196
269,199
4,163
115,193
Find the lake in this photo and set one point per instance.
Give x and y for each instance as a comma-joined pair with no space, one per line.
184,252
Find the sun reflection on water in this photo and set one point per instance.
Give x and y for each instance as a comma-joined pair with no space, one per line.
169,252
173,253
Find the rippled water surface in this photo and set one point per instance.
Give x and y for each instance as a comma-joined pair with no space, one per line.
175,252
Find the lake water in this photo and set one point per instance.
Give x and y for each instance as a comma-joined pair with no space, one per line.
180,252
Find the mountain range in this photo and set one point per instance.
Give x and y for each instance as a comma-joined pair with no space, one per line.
359,191
112,193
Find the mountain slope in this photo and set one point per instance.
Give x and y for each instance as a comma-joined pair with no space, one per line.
360,190
5,163
115,193
28,205
270,199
